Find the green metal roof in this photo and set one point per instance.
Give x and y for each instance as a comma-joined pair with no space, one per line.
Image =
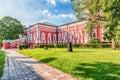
49,23
8,40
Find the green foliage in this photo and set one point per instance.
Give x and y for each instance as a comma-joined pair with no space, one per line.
2,61
95,44
117,38
105,13
10,28
84,64
45,47
51,46
0,43
23,46
93,40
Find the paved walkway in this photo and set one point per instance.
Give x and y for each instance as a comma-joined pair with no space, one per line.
20,67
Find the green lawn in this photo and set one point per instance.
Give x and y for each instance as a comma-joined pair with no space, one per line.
85,64
2,60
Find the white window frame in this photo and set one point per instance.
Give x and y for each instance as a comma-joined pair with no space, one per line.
43,38
54,37
65,37
49,38
80,36
94,33
34,36
59,37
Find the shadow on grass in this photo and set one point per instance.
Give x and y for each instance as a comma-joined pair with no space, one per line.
47,60
98,71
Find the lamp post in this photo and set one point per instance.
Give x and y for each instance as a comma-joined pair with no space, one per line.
69,42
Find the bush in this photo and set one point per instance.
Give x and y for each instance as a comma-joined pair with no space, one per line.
106,45
92,45
93,40
62,45
1,44
23,46
51,46
46,48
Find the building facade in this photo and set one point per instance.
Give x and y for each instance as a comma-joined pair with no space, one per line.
45,33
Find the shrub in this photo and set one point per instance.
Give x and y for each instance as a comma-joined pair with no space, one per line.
51,46
106,45
61,45
1,44
46,48
93,40
23,46
76,45
89,45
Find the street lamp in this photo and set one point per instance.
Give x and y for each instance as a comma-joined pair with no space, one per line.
69,42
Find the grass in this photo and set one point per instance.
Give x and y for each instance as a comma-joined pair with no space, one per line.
84,64
2,61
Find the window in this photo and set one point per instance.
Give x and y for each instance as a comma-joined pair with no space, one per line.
43,38
31,36
72,36
49,38
34,36
65,36
54,37
59,37
94,33
79,36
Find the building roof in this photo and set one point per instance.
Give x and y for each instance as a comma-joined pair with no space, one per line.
53,25
71,23
8,40
47,23
44,23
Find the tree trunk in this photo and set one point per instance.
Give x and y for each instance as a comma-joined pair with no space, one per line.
113,44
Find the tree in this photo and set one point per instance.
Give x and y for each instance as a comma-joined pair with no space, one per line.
10,28
101,13
117,37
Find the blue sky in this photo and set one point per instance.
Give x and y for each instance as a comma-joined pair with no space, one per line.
35,11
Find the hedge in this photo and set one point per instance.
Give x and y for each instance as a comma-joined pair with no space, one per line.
95,45
23,46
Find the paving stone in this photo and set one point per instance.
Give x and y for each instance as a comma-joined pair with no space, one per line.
21,67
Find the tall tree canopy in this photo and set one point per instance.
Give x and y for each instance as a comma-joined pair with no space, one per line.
99,12
10,28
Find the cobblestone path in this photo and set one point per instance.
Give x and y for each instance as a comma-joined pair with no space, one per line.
20,67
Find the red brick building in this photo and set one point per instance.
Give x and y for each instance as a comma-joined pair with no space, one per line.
45,33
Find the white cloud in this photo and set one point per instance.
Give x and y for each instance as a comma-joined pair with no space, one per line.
70,16
19,10
59,16
37,12
44,20
45,12
56,10
53,2
63,1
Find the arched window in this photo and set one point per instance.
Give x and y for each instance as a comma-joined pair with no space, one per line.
59,37
72,36
43,38
34,36
31,36
80,36
65,37
54,37
94,33
49,37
